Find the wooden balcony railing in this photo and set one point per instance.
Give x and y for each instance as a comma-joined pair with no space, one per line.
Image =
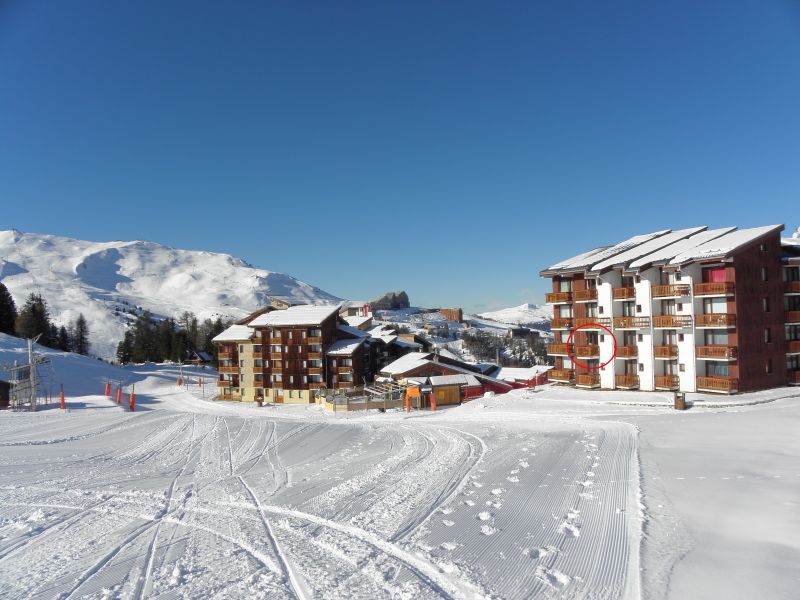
276,368
794,377
792,316
723,288
314,340
225,355
585,295
276,355
627,351
561,323
314,371
793,347
667,382
565,375
224,383
717,384
316,386
228,369
315,355
672,321
627,381
344,385
717,351
669,351
555,349
670,291
558,297
623,293
631,322
344,370
584,321
588,380
227,397
791,287
715,320
588,351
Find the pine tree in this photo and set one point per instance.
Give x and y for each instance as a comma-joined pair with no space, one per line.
8,311
80,339
125,349
34,319
64,342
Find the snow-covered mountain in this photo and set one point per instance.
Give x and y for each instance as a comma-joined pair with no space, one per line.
525,314
106,280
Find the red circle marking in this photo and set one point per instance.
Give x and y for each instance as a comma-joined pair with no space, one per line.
593,326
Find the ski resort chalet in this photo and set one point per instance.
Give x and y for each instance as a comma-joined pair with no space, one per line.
708,310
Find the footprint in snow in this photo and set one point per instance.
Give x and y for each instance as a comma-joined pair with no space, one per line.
448,545
488,530
469,502
447,523
513,479
552,577
477,484
537,553
497,491
484,515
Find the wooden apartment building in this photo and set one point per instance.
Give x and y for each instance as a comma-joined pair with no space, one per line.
691,310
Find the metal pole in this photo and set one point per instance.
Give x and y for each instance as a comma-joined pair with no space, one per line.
32,374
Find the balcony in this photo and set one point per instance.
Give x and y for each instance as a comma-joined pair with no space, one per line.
672,321
794,377
316,386
315,355
558,349
277,368
586,295
623,293
588,321
670,291
314,340
589,351
715,320
791,287
627,351
725,385
228,369
224,383
225,355
561,375
792,316
314,371
627,382
668,352
344,370
717,352
631,322
276,355
667,382
344,385
561,323
228,397
723,288
588,380
793,347
558,297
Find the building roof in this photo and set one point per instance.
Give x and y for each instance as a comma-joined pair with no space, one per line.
234,333
305,314
359,333
355,321
398,341
587,259
520,373
406,363
725,245
453,380
344,347
623,258
664,255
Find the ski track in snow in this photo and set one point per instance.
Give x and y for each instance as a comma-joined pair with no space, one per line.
167,504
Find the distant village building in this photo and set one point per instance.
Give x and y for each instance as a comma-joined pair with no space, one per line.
691,310
453,314
5,394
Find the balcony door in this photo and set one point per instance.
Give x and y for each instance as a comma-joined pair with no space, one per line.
628,309
565,285
565,311
670,367
670,337
628,338
716,338
668,307
629,367
668,277
716,368
714,275
715,306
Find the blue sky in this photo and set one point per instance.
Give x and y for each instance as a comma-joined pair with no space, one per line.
448,149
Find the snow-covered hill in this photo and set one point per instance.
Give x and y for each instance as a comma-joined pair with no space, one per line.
105,280
524,314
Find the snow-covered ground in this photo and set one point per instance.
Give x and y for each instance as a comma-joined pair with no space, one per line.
549,494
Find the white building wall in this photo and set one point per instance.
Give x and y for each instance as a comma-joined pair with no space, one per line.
605,284
645,346
690,275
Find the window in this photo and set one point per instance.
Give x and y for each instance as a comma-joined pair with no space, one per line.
668,307
316,333
716,369
640,337
628,309
768,365
276,364
275,348
257,348
763,247
304,335
764,274
641,367
679,306
600,309
241,363
715,306
591,309
259,376
277,378
275,333
291,378
241,348
680,337
290,334
565,285
258,362
315,348
305,364
348,362
767,335
638,308
682,367
602,338
591,284
765,304
286,349
305,378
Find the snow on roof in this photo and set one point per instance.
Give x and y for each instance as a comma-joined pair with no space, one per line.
725,244
406,363
304,314
585,260
234,333
454,380
520,373
623,258
344,347
406,343
356,321
382,333
352,331
671,251
448,354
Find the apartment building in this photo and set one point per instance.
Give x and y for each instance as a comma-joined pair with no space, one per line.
691,310
295,354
